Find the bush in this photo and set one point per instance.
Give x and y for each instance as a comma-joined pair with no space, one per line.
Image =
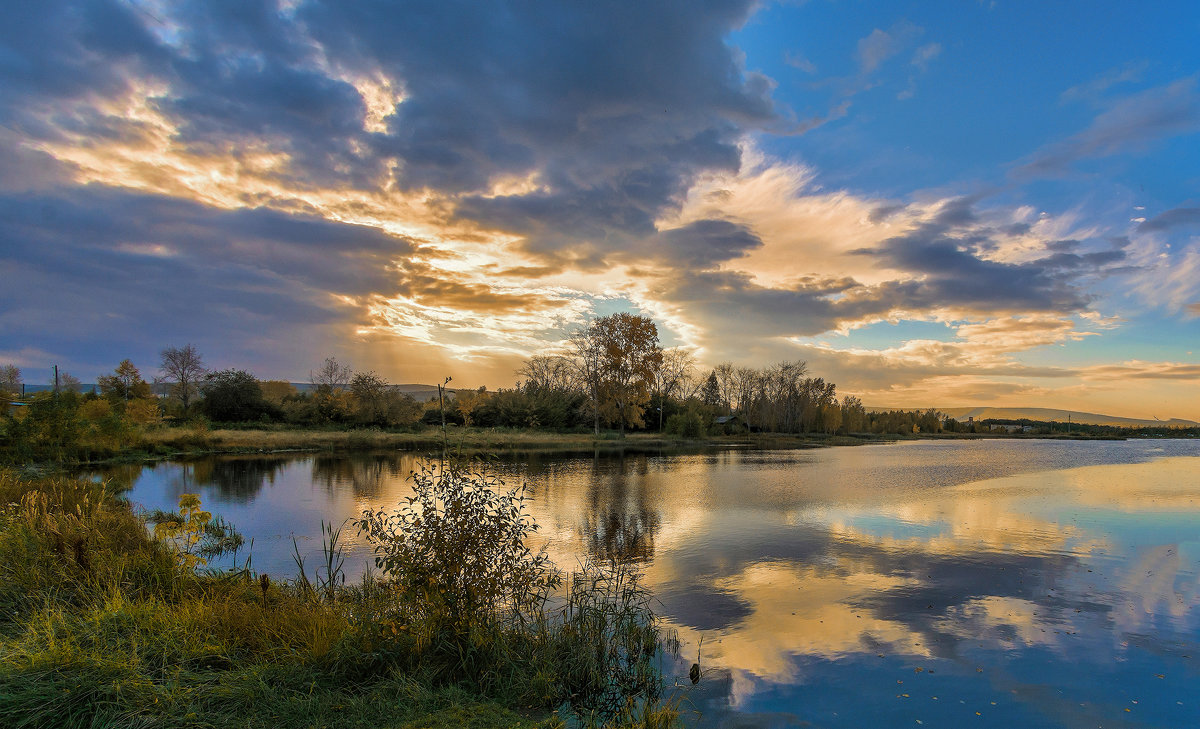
459,552
235,396
686,425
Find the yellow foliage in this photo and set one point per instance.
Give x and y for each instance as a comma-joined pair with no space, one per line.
143,411
186,531
95,409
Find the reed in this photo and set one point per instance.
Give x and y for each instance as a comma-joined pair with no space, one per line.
102,624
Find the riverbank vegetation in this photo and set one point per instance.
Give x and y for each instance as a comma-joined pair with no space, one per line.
610,379
104,622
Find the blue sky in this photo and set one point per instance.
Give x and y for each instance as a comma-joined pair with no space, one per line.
933,204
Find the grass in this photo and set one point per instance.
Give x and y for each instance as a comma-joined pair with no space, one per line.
102,625
467,440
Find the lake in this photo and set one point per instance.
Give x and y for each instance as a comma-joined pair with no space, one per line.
991,583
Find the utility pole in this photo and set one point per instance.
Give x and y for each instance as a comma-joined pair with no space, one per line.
56,380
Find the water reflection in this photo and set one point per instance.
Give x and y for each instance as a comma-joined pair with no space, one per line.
365,476
1003,583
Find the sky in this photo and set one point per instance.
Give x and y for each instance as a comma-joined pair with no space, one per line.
931,203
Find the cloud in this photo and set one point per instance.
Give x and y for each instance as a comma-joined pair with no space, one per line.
795,60
925,54
1128,125
881,45
1094,89
1139,370
944,254
1176,218
921,59
111,271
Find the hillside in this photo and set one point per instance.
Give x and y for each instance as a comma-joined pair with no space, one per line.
1051,414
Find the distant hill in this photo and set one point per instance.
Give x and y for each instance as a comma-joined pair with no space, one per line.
1051,414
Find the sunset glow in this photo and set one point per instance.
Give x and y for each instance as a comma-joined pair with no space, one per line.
934,205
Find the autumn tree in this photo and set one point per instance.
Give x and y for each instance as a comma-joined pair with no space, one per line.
586,363
854,415
276,391
370,396
124,384
629,356
184,369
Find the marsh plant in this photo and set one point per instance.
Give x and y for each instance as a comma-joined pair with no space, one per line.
479,595
193,533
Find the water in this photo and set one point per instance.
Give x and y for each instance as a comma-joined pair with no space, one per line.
1005,583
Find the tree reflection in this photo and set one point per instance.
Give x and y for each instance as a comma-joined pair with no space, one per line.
364,475
622,520
238,479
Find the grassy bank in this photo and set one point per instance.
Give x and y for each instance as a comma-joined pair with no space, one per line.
103,624
171,441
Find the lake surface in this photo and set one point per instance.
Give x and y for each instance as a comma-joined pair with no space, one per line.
995,583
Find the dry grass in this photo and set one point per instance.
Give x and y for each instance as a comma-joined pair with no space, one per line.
466,439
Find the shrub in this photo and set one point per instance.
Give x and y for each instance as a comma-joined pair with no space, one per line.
687,425
459,551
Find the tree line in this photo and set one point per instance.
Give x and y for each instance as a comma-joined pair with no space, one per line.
610,373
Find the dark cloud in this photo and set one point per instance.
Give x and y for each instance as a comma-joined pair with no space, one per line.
107,271
944,256
55,53
1176,218
883,212
612,107
702,244
738,312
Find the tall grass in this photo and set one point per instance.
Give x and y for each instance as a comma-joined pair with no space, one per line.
103,625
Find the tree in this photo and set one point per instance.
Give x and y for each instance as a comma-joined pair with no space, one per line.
587,367
233,396
276,391
854,415
671,374
332,376
547,373
370,397
710,391
69,383
10,380
329,394
629,356
184,368
124,384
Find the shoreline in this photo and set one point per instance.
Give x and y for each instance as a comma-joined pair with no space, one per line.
183,442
